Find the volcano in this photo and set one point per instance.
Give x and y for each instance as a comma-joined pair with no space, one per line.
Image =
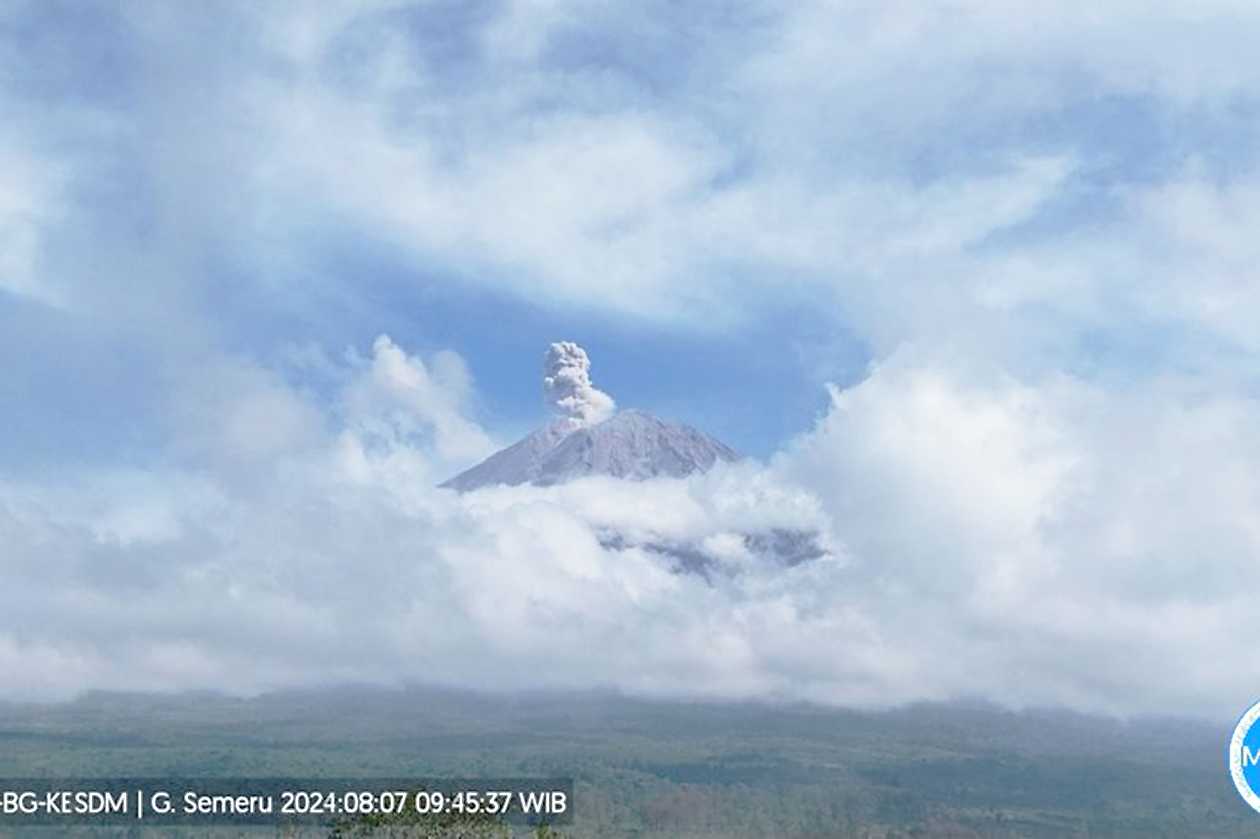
587,436
632,445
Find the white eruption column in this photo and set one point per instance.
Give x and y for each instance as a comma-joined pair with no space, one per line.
567,386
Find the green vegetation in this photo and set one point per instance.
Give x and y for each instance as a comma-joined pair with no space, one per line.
409,824
648,769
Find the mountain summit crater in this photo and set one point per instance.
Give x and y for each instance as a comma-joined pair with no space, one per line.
588,436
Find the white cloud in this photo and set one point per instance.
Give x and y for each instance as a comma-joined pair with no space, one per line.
1009,515
785,152
988,537
399,396
31,200
1048,542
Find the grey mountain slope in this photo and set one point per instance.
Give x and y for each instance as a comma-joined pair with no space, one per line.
517,464
631,445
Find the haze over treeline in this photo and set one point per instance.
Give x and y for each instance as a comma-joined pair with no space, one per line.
678,769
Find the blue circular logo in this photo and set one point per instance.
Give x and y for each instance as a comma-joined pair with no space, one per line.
1244,757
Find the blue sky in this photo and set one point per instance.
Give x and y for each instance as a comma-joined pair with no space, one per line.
975,284
157,141
130,124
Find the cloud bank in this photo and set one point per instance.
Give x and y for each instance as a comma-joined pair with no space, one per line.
987,538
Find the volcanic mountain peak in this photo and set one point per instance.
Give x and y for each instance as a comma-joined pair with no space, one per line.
631,444
586,438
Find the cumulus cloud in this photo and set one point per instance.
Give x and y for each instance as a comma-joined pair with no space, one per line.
399,396
567,386
1029,526
346,563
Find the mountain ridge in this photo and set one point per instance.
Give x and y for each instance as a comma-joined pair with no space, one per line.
630,445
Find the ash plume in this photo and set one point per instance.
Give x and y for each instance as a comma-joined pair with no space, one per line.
567,386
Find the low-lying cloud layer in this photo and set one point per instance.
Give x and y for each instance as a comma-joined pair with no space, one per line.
987,538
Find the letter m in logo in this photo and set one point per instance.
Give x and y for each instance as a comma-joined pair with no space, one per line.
1250,758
